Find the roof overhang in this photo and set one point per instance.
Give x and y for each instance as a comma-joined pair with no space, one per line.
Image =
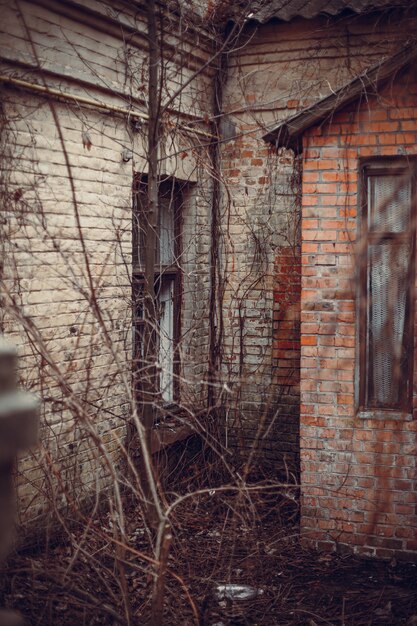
289,133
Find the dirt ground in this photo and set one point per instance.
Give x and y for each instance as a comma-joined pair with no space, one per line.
257,546
221,536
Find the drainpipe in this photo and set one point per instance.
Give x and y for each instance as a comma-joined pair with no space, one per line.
216,293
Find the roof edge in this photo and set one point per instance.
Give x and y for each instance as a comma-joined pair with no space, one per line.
288,134
286,10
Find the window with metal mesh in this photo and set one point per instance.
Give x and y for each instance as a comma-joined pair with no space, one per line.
386,337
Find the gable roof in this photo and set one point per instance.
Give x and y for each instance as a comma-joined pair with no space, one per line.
288,9
289,133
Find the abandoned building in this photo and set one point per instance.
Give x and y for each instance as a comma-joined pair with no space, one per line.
284,250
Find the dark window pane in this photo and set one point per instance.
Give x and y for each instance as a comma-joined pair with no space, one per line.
165,319
137,298
165,238
166,231
139,223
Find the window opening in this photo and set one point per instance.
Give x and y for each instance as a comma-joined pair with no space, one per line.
387,286
167,284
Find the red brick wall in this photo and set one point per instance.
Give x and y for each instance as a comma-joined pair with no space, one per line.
286,350
279,68
359,478
257,217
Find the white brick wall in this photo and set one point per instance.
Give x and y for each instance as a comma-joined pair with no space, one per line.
85,54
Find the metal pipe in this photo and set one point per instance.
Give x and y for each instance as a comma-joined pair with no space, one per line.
50,91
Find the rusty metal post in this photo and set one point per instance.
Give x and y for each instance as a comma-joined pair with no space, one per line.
19,425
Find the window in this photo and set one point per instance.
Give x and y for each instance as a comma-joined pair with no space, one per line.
386,303
167,283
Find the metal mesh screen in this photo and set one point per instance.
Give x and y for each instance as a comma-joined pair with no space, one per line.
388,269
389,203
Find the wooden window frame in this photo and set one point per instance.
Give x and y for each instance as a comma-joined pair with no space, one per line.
172,272
388,167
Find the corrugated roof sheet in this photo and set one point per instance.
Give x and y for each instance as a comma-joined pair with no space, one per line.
288,9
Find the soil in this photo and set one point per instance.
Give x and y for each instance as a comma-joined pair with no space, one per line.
217,539
221,535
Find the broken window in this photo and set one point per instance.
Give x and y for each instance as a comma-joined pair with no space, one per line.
387,286
167,283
